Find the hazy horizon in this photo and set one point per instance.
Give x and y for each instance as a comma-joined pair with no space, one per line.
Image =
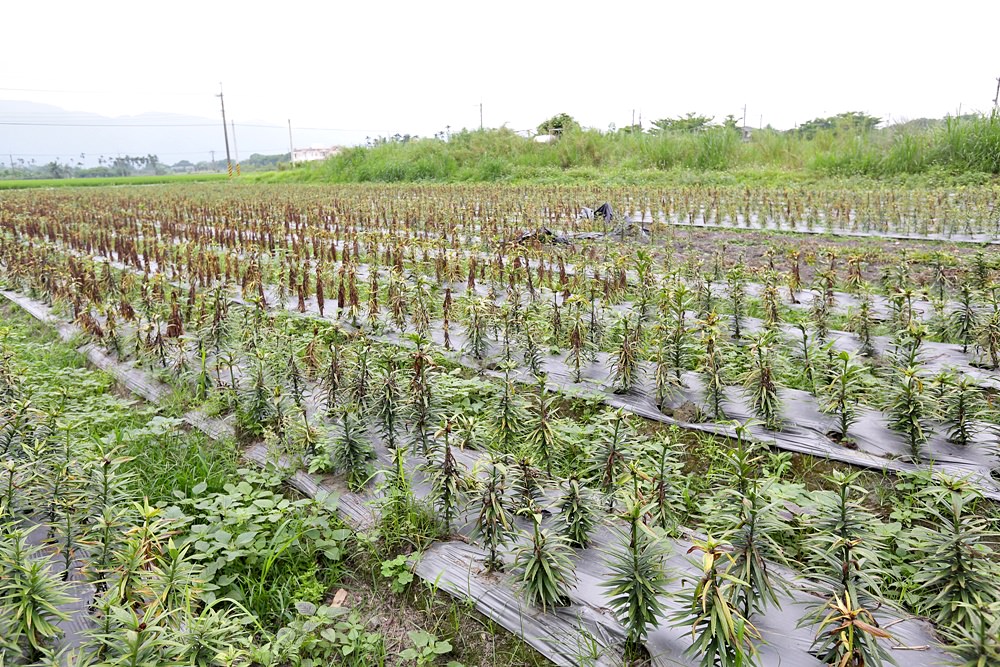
386,68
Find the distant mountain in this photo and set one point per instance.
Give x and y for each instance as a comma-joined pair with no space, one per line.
43,133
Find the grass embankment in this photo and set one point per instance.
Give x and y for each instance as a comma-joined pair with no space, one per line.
113,180
957,152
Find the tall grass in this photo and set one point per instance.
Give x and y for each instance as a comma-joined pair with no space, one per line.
957,146
971,145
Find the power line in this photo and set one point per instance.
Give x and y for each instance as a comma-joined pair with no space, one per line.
20,124
100,92
254,125
112,153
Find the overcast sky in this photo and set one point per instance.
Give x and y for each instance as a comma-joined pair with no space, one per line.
384,67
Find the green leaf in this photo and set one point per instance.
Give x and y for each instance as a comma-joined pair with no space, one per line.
305,608
245,538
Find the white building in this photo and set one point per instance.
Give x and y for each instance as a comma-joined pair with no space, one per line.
314,153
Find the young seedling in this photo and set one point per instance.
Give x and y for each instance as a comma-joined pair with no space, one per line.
956,566
760,382
638,580
841,395
712,364
545,568
388,405
908,409
494,524
864,324
448,481
625,369
576,514
988,339
541,442
965,319
351,453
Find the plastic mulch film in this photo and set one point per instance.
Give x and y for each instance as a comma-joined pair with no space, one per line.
584,632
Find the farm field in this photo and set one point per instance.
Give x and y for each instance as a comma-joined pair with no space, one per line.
479,425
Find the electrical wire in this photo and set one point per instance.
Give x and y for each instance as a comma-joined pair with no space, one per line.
238,125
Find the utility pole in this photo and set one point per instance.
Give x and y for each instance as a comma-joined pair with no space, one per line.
480,116
236,151
744,118
213,159
225,133
291,149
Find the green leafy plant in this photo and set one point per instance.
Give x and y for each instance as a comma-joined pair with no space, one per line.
988,339
541,442
577,516
509,417
961,407
449,482
477,316
31,594
350,453
581,348
908,409
426,649
545,571
957,571
323,635
760,381
712,364
638,581
494,525
977,645
843,392
749,520
388,406
819,312
608,455
863,322
737,302
965,319
398,572
843,545
625,368
256,409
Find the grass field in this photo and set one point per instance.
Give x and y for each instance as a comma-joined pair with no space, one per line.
116,180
